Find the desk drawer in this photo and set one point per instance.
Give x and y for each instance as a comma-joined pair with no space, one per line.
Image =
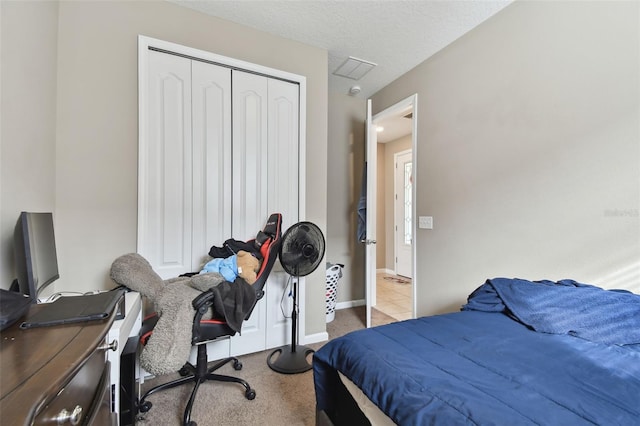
80,400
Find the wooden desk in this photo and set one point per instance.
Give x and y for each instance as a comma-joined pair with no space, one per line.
45,370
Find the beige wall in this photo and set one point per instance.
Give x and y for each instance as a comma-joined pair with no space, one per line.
528,150
95,181
27,131
346,151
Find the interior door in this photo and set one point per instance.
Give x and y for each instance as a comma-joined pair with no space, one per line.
403,235
370,240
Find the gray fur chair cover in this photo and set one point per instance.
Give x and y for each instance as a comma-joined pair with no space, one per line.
169,347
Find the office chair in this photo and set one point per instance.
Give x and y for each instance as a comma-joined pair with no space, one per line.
205,331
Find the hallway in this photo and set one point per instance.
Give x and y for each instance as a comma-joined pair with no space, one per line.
393,295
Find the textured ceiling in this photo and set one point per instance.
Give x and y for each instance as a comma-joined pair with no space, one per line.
397,35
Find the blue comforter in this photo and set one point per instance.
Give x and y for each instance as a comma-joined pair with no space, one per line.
563,307
482,368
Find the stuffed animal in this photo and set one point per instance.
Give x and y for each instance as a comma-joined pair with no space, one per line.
243,264
169,347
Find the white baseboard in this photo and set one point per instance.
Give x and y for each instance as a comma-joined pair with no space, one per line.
315,338
323,337
386,271
350,304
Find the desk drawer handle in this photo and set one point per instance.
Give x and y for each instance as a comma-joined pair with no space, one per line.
113,346
73,417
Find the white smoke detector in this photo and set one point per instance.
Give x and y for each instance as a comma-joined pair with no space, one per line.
354,90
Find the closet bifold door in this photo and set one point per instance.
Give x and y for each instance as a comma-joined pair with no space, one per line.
283,190
211,100
185,164
166,191
250,161
219,151
250,167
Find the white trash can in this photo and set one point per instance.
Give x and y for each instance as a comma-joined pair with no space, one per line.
334,273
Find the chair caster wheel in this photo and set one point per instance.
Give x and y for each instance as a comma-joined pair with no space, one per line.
237,365
145,406
183,371
191,423
250,394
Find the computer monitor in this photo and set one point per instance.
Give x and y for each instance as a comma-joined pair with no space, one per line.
35,253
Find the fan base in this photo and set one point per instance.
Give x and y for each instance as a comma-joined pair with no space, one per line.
289,361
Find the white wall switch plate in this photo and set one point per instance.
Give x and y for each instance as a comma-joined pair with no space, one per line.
425,222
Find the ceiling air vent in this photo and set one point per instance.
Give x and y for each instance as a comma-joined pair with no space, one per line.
354,68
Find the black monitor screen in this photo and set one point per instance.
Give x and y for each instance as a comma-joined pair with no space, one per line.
35,252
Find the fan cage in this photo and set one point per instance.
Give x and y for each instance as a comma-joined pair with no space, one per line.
297,238
334,273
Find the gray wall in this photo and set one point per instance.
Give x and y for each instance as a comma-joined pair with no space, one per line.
528,150
87,126
346,153
28,128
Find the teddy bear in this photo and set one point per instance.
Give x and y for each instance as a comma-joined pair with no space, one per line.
242,264
169,347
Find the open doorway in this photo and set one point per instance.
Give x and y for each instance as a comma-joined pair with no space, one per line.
394,255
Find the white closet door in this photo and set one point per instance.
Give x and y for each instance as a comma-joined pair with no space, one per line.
250,161
250,165
218,153
283,150
211,95
165,204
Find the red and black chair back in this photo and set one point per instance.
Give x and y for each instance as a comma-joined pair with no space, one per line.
268,242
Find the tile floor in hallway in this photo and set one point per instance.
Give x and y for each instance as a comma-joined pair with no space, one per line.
393,295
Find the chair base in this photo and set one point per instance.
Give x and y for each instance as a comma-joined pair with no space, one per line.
197,375
292,360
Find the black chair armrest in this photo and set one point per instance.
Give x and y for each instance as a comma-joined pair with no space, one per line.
205,299
201,304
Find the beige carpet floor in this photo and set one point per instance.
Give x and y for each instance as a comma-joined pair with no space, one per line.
281,399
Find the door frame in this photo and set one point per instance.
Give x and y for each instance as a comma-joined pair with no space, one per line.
371,156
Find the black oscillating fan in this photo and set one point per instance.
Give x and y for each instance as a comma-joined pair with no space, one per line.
301,252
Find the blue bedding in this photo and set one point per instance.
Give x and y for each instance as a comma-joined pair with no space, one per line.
564,307
476,367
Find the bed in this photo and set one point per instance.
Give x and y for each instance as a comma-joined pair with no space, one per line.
519,352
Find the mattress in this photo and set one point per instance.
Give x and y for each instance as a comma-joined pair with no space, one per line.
368,408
